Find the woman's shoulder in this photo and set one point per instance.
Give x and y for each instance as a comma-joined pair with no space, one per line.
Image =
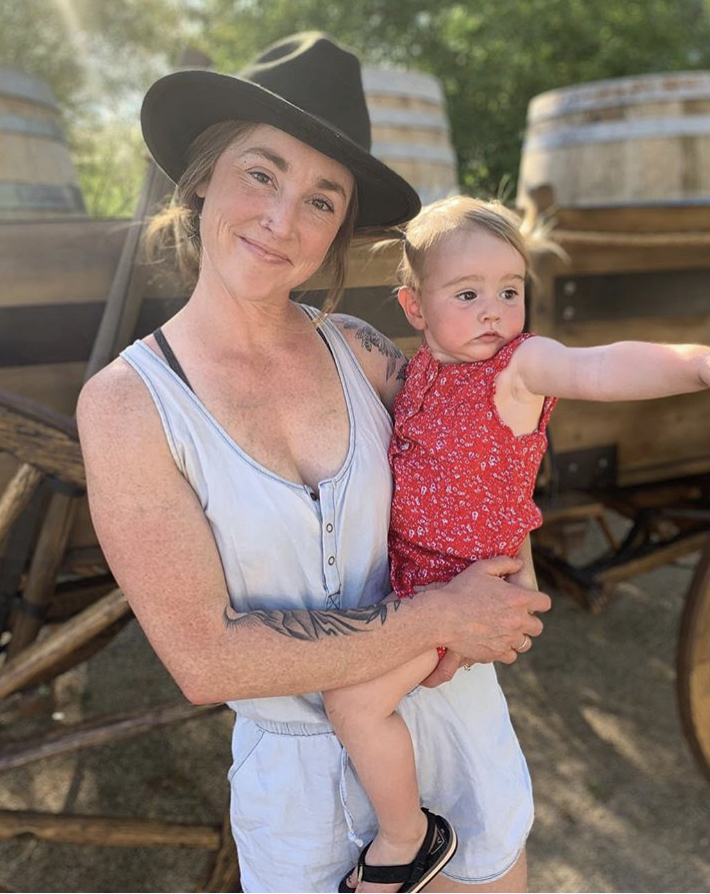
382,361
115,409
114,388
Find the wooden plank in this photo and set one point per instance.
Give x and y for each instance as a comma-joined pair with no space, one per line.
98,731
47,262
661,555
127,285
106,831
51,650
41,437
636,218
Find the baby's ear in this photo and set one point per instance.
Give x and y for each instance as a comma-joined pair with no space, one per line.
411,305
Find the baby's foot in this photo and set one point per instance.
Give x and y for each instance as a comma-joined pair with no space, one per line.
388,851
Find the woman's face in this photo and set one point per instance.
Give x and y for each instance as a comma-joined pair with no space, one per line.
272,208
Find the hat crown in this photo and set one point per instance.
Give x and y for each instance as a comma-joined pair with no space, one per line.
315,74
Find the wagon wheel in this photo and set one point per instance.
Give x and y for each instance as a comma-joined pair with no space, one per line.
693,664
46,445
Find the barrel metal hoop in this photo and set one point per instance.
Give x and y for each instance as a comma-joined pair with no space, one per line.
32,126
619,131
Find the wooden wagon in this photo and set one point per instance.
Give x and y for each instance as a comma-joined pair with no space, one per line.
650,462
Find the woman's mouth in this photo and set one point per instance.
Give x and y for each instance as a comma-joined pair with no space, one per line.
263,253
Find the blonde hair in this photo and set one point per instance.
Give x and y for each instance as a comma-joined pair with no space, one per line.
175,230
440,219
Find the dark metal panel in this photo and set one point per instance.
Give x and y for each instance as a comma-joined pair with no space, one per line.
623,296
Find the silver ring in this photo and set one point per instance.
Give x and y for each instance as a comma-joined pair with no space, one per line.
523,646
467,667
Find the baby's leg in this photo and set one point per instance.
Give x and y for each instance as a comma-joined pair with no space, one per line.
365,719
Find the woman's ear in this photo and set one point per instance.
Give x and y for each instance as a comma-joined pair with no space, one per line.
411,305
201,189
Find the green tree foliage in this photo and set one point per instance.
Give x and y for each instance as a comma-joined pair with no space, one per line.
492,57
98,58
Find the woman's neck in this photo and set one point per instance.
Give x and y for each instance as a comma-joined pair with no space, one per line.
225,322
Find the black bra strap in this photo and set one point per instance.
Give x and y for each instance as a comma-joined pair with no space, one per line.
173,362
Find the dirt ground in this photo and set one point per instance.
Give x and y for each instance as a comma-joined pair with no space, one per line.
621,805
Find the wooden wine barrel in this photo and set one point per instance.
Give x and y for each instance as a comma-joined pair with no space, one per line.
624,141
37,176
693,677
410,129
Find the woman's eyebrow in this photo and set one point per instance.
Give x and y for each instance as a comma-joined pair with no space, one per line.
269,155
332,186
283,165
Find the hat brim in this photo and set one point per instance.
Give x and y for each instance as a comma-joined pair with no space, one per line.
180,106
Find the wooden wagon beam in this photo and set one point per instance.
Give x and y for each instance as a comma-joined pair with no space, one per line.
17,495
98,731
36,659
224,865
41,580
41,437
106,830
693,663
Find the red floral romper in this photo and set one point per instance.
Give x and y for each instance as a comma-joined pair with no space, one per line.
463,482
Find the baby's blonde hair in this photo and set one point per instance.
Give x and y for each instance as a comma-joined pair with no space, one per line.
437,221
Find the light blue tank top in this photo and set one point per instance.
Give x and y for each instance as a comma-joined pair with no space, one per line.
280,547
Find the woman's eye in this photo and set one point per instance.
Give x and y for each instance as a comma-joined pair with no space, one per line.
468,295
260,177
323,205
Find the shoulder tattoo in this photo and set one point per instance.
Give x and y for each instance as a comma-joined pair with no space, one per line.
310,626
371,338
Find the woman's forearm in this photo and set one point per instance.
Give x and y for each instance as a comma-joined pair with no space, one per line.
287,652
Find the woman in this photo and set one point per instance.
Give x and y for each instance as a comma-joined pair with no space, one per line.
239,486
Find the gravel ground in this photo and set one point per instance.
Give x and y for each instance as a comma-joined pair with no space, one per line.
621,805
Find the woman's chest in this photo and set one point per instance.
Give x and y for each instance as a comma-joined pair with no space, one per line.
293,420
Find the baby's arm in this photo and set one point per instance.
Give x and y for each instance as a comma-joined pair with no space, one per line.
526,576
626,370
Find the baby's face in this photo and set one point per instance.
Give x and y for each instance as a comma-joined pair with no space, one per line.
472,297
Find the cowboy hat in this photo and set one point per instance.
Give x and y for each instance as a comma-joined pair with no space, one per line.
307,86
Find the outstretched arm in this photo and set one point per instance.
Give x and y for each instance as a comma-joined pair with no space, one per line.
626,370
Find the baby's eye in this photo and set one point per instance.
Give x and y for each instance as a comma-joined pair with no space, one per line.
509,294
323,205
468,295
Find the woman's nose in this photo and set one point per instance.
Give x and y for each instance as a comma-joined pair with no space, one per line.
280,217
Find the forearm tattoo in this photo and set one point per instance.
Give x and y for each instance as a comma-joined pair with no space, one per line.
310,626
371,338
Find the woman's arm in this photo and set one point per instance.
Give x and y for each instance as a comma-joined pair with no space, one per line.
159,545
627,370
382,361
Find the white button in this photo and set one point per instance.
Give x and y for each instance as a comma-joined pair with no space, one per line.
405,445
329,527
331,560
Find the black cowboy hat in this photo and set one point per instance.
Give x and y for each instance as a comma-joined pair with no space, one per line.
307,86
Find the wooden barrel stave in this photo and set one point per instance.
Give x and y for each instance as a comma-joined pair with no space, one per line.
644,138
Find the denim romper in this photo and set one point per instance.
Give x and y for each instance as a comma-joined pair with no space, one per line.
299,815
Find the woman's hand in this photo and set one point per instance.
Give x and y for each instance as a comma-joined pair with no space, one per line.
493,620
